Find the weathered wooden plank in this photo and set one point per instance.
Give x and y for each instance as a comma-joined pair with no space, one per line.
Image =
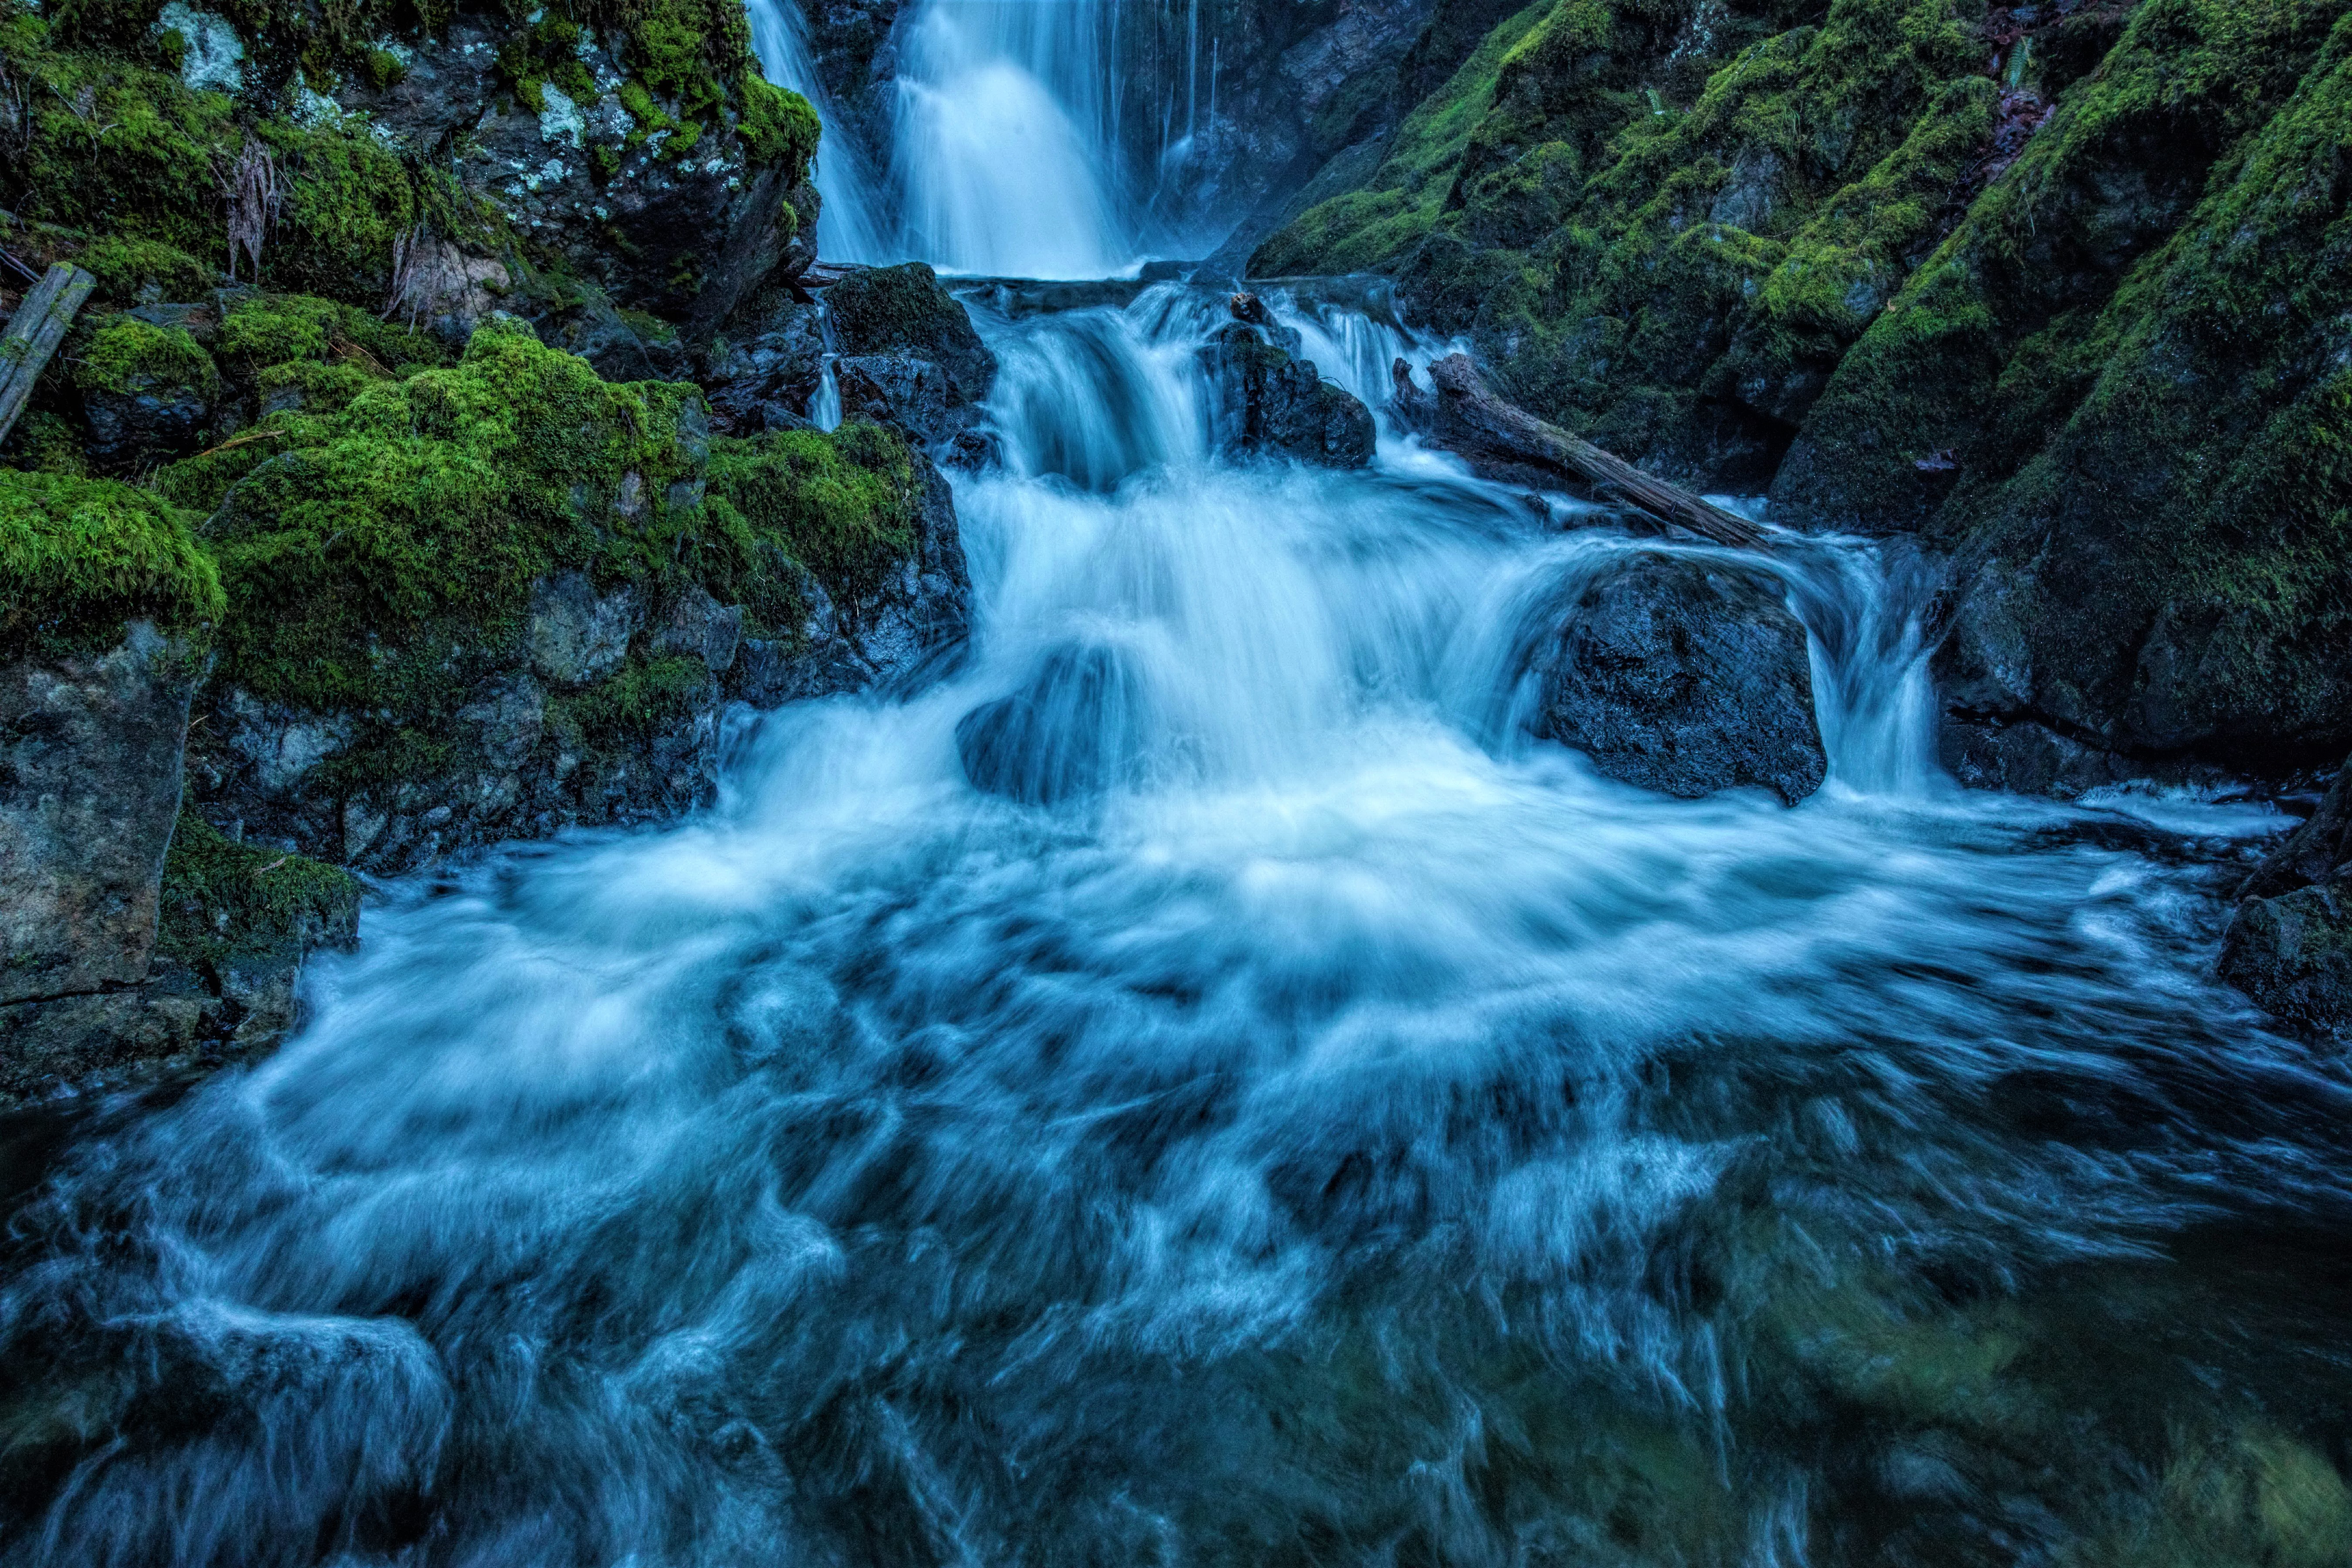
1509,442
33,333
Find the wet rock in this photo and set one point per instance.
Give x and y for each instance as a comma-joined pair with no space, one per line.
904,310
912,625
766,381
1076,729
90,748
576,635
508,714
915,394
621,347
2289,944
1264,400
699,625
1684,677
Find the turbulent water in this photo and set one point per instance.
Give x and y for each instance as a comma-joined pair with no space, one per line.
1356,1135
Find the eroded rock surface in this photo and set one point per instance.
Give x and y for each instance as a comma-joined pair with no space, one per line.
1686,677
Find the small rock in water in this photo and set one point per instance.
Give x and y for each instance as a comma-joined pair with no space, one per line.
1264,400
1075,729
1686,677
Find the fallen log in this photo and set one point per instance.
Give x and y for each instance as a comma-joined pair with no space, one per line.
1503,442
33,333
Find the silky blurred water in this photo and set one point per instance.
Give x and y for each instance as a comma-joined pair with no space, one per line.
1356,1135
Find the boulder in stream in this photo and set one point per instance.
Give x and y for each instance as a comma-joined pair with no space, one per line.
2289,945
1685,676
1076,729
1263,399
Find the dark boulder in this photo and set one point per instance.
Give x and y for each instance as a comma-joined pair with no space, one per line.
909,356
766,379
1264,400
1686,677
90,747
906,310
1076,729
2289,945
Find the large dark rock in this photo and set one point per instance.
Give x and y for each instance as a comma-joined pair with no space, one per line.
909,355
906,311
912,625
1264,400
764,373
2289,945
1074,729
1684,677
684,235
90,747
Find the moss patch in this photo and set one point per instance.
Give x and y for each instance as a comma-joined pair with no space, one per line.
79,557
222,900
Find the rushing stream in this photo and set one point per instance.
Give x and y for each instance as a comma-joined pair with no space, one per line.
1357,1135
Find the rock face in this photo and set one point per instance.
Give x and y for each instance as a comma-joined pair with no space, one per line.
909,353
1687,678
89,786
764,373
1263,400
2289,945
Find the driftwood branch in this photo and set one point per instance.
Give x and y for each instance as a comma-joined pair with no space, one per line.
33,333
1500,441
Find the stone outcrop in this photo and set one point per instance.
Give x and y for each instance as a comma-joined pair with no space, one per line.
2289,944
1685,676
90,748
1263,399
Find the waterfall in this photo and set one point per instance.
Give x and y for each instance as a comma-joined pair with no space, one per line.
854,224
1004,156
1292,1115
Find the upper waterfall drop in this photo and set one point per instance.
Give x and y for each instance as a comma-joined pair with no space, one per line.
1002,146
851,226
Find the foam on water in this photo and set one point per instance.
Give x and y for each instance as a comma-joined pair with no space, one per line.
1360,1133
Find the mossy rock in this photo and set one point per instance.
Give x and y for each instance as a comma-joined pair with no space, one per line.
224,903
79,557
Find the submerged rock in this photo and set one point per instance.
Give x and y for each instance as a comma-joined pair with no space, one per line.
1076,729
1686,677
1264,400
2289,945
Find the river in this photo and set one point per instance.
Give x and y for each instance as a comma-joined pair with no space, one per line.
1347,1132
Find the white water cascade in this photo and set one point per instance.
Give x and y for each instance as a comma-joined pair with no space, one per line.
1003,153
1318,1124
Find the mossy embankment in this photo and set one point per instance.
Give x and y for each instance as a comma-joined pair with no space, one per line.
2055,286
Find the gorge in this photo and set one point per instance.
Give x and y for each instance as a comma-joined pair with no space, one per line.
784,804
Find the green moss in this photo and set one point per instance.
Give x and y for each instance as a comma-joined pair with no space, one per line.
129,356
842,506
222,900
439,498
2042,251
643,696
266,330
1373,228
79,557
124,266
778,126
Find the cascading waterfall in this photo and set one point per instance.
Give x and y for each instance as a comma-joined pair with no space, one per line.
1003,143
1004,154
850,225
1335,1128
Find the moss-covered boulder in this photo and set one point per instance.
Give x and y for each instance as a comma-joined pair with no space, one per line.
146,390
483,600
430,162
106,604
